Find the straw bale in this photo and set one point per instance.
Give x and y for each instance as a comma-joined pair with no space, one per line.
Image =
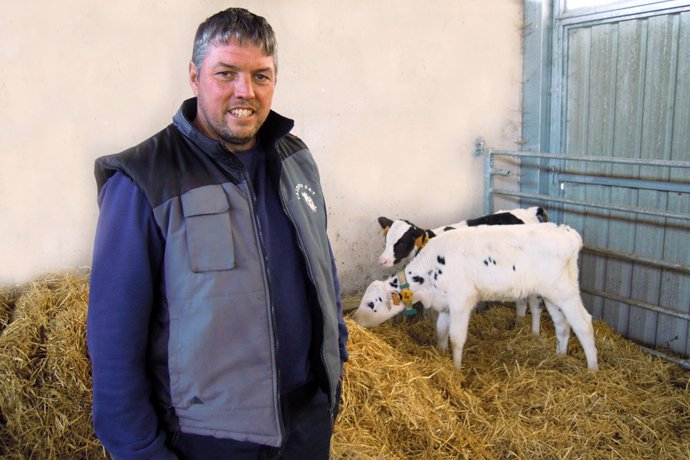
8,298
45,384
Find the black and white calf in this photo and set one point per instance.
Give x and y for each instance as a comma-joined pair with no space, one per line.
459,268
403,238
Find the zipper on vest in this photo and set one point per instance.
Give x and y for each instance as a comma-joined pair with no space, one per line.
266,270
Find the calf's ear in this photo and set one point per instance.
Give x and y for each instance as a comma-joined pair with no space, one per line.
396,300
385,222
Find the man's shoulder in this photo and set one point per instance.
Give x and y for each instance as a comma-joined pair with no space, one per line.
144,156
289,145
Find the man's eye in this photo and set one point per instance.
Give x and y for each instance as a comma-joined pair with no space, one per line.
225,74
263,78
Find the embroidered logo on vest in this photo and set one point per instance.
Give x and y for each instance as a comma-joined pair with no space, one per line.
305,193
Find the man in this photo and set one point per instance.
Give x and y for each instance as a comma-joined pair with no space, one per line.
215,326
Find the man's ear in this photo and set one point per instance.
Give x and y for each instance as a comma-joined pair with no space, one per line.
194,78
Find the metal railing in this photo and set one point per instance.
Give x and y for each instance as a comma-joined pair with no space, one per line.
679,187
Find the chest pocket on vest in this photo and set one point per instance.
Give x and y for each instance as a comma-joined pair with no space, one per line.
209,231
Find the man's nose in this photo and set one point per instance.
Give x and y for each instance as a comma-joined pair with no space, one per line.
244,87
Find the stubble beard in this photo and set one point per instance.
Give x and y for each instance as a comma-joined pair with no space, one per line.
231,139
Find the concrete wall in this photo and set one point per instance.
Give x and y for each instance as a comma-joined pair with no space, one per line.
389,95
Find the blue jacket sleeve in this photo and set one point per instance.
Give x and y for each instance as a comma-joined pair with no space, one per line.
127,256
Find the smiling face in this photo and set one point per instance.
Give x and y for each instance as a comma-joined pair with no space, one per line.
234,89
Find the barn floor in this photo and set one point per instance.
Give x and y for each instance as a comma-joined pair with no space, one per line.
402,399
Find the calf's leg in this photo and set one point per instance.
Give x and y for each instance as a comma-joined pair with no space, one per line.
561,326
442,329
521,309
460,310
581,322
535,310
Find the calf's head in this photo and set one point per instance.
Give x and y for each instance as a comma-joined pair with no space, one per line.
377,305
402,238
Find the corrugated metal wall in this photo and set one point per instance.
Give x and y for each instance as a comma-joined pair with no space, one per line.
628,95
621,88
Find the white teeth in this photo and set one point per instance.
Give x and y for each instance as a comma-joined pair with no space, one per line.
241,112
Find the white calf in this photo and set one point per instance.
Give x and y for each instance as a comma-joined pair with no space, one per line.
403,238
459,268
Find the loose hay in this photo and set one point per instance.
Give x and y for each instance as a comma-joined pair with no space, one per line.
402,399
514,398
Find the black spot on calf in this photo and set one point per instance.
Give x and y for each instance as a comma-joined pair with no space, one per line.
501,218
418,279
441,260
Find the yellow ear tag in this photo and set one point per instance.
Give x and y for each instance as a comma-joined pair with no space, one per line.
406,295
385,231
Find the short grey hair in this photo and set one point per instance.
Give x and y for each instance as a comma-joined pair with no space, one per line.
234,23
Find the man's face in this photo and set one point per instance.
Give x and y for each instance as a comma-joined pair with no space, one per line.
234,90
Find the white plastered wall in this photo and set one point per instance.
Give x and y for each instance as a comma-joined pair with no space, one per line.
389,95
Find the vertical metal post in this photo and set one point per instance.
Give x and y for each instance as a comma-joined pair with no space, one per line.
488,182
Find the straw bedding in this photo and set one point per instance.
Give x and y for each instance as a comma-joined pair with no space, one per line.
402,399
514,398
